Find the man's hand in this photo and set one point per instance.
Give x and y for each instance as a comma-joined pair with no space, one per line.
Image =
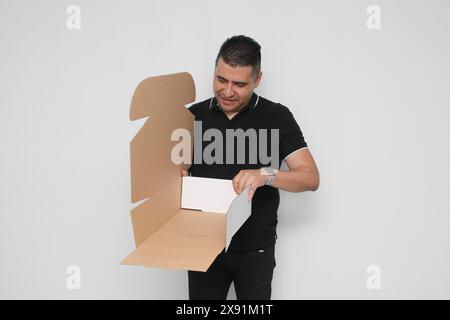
184,173
252,178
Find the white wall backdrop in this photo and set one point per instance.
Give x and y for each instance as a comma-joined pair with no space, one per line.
373,105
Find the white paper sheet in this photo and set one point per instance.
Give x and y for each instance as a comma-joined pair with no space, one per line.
238,213
206,194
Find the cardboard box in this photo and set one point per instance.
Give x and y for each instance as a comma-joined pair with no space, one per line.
182,222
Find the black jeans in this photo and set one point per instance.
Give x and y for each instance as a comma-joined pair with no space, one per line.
251,272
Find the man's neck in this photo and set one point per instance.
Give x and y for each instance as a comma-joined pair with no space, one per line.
231,114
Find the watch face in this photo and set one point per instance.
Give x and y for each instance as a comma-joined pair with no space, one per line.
270,181
270,172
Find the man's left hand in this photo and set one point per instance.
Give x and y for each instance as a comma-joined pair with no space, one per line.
249,177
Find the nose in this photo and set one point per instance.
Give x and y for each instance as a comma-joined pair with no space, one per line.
229,90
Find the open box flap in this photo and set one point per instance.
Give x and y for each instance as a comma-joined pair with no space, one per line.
190,240
156,95
152,167
151,214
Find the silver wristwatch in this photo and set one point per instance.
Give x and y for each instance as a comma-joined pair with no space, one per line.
271,172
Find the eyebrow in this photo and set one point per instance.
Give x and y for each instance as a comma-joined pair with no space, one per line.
235,82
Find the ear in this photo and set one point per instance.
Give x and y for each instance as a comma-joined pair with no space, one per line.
258,79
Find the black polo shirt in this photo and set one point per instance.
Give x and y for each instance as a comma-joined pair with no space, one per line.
259,231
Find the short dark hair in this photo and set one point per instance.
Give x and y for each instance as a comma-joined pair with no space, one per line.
241,51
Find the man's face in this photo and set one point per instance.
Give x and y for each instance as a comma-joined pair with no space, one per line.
233,86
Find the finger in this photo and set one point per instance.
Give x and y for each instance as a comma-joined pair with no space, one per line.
184,173
237,187
245,182
251,191
236,180
240,183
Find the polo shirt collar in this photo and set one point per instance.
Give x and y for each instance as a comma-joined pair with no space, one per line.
213,105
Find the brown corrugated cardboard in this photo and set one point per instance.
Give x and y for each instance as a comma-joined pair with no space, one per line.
168,234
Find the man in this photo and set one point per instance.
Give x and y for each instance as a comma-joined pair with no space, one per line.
250,258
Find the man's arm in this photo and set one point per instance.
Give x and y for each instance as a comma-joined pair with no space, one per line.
302,175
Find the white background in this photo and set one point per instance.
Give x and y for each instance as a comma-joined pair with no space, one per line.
373,106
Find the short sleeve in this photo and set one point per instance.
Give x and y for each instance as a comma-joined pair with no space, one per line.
291,136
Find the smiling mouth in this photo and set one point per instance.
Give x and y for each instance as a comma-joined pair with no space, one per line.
230,100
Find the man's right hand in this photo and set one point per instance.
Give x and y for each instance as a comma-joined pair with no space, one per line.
184,173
